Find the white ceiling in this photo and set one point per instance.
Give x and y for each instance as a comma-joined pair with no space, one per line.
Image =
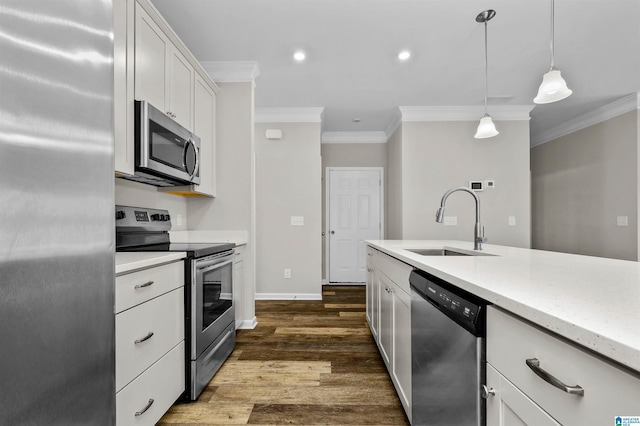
352,68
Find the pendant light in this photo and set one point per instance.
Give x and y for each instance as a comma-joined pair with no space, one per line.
486,128
553,87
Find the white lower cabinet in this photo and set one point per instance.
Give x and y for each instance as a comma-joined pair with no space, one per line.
389,316
521,396
145,400
238,285
150,352
510,407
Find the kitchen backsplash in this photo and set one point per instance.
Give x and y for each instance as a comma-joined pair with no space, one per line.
135,194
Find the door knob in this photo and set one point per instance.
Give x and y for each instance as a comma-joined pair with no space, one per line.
333,232
487,392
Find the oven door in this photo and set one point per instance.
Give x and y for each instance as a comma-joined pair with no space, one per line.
211,300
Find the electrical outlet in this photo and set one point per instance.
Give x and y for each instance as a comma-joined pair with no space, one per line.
512,221
297,220
287,273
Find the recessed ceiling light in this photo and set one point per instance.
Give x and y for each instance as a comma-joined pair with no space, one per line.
355,120
299,56
404,55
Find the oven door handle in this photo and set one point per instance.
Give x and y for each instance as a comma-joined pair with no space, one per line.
213,263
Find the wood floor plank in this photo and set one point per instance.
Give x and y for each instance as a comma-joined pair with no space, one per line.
306,363
343,395
325,414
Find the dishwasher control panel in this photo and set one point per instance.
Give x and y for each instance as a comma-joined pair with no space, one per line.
452,302
464,308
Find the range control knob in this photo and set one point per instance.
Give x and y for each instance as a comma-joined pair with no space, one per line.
167,217
156,216
120,215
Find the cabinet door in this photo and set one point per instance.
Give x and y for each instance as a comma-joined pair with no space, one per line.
510,407
238,285
150,59
386,319
401,359
179,87
204,128
123,39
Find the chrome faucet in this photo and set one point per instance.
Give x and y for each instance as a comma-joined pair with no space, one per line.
478,232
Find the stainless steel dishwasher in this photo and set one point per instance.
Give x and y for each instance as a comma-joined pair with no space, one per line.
447,353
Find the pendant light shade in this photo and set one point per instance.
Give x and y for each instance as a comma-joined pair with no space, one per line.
486,128
553,87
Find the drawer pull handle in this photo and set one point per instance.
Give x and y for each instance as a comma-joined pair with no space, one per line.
147,284
141,412
145,338
534,365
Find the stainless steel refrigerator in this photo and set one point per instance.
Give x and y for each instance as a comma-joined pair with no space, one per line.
57,361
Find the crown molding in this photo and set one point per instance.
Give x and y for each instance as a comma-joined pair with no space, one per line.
289,115
354,137
464,113
621,106
232,72
393,124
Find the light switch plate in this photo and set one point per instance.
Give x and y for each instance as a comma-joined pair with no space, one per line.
297,220
622,221
512,221
451,221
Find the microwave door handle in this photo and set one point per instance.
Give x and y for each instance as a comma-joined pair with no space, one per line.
184,157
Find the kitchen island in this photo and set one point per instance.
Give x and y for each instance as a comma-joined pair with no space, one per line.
570,313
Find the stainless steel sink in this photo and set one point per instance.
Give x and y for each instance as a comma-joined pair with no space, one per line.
438,252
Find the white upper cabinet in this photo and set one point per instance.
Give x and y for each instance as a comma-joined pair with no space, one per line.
152,64
163,76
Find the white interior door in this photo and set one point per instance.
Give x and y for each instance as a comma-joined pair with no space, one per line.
354,215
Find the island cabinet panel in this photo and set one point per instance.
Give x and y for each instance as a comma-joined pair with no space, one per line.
389,317
511,407
609,390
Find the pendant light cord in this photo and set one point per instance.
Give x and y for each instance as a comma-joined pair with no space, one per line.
552,34
486,72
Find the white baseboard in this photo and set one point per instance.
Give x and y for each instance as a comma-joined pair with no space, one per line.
288,296
248,324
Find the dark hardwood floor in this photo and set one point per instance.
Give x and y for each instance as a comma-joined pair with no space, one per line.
306,363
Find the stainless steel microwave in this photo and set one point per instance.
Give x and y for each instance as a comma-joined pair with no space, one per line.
166,154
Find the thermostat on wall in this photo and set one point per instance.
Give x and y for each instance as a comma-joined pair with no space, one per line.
476,185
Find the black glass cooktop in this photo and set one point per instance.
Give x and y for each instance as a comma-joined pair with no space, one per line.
192,249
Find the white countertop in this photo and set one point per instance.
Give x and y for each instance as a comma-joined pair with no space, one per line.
592,301
131,261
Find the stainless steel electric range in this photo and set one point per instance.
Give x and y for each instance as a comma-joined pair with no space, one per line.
209,311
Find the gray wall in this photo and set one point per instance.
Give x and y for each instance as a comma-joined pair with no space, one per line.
436,156
393,190
348,155
288,173
128,193
581,182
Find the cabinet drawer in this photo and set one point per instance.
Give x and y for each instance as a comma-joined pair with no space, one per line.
163,383
396,270
609,391
371,256
162,316
134,288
